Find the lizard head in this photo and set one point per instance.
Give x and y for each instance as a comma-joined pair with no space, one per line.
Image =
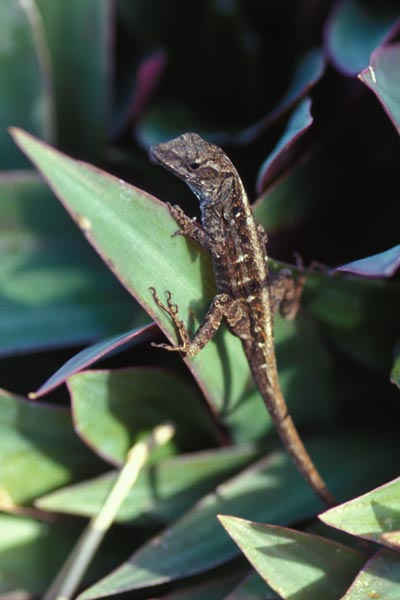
202,165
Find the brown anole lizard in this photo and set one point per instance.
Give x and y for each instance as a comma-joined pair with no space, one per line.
247,295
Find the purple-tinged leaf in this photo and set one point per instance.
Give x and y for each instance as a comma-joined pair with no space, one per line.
113,409
380,578
147,79
369,515
280,157
384,264
355,29
92,354
306,75
295,564
382,76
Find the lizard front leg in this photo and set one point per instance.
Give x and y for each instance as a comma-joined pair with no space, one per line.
188,227
220,307
286,292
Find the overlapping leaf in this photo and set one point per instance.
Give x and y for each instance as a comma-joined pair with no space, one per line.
163,491
269,491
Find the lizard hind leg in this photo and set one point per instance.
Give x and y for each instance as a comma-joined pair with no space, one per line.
172,311
286,292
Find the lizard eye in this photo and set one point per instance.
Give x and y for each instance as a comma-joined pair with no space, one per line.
193,166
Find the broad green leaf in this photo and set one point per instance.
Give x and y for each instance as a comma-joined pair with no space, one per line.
25,81
300,121
133,233
113,408
180,481
253,588
349,309
380,578
270,490
92,354
355,28
31,552
295,564
369,515
384,264
39,450
53,289
383,78
78,35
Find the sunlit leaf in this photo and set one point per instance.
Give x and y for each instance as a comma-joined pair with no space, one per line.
380,578
179,481
112,409
370,515
39,449
269,491
383,78
294,563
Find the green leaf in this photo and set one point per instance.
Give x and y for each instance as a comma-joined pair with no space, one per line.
180,481
355,28
253,588
369,515
383,78
380,578
113,409
25,98
38,546
78,35
349,310
295,564
39,449
133,232
395,373
126,225
54,290
213,586
270,490
92,354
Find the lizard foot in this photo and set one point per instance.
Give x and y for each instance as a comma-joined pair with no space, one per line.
172,311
